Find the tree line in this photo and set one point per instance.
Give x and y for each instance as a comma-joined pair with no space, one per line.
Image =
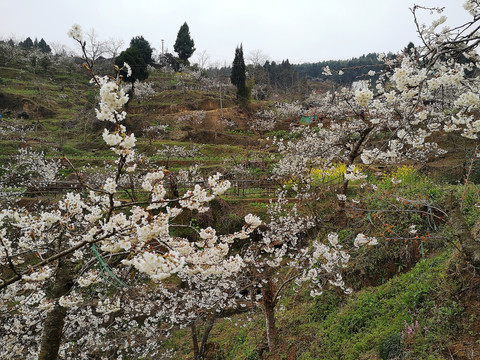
353,69
41,45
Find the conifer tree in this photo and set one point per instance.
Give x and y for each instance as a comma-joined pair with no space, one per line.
27,44
143,46
184,45
44,47
133,57
238,76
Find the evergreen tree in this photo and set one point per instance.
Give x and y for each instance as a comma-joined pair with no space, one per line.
184,45
44,47
238,76
27,44
135,60
171,60
143,46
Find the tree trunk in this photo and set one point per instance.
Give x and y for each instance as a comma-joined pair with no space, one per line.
269,311
53,327
196,351
210,321
200,350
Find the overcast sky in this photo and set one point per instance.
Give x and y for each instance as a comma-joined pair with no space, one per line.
300,30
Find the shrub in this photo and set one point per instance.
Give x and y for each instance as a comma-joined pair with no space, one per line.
391,347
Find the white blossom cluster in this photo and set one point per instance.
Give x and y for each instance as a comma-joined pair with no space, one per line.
75,32
361,239
142,90
363,96
287,110
473,7
413,103
113,98
28,169
282,246
193,118
264,120
179,151
155,131
352,174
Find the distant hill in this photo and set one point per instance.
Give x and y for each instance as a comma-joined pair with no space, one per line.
353,69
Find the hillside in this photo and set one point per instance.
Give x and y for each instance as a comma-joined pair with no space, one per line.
414,297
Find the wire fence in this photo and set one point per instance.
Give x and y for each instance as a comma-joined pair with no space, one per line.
240,188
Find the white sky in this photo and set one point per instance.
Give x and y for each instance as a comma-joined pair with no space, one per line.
300,30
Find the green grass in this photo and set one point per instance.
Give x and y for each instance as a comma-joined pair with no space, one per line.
375,313
351,327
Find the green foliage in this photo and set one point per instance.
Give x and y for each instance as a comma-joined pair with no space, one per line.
26,44
184,45
369,318
470,197
41,45
404,198
238,76
370,322
44,47
324,305
353,69
71,151
143,47
173,62
241,347
403,176
282,76
257,208
391,347
45,63
133,57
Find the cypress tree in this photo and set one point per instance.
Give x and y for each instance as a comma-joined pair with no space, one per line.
44,47
238,76
27,44
184,45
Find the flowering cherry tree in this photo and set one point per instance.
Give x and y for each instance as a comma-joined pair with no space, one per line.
421,95
46,256
29,168
283,254
39,250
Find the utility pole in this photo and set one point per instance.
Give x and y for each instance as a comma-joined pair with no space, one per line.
221,104
162,46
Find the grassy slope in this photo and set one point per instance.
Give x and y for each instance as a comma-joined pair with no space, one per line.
363,325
